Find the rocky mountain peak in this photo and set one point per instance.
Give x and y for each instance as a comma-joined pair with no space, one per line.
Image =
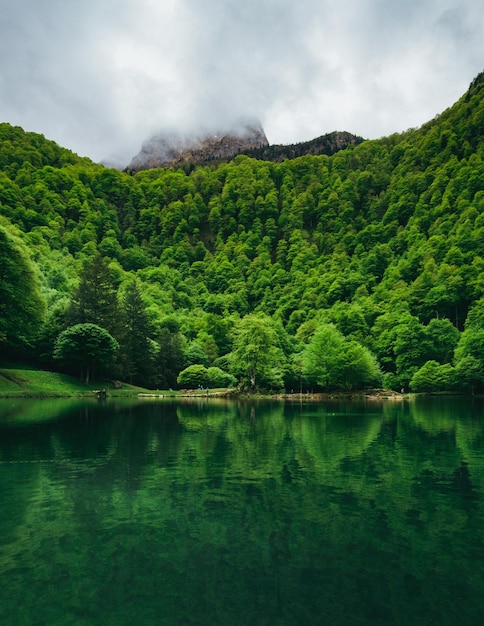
171,149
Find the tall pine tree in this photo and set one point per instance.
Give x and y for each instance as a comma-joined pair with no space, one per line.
95,300
135,344
170,358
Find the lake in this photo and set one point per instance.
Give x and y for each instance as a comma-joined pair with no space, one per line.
217,512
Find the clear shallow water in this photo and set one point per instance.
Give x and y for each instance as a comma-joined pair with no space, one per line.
199,513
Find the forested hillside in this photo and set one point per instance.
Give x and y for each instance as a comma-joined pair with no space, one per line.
322,272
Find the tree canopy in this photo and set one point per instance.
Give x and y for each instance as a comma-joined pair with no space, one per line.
333,362
87,346
238,264
22,305
257,357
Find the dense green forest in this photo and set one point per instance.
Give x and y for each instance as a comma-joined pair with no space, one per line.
356,270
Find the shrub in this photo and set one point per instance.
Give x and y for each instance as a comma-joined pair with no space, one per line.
193,376
218,378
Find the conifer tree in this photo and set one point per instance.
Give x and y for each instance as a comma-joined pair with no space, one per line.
135,344
170,358
95,300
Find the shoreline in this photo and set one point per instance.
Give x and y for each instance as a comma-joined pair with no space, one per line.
372,395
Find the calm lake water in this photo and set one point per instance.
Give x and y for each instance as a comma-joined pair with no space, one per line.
222,513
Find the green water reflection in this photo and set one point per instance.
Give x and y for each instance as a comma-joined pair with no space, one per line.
216,512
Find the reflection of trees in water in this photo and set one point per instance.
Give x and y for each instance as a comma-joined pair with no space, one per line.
267,438
245,513
27,412
457,424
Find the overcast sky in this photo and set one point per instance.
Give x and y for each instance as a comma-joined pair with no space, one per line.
100,76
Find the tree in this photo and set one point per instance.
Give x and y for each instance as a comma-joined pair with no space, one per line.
135,343
169,360
22,306
443,337
216,377
470,373
257,356
193,376
412,349
333,362
362,369
95,300
469,353
53,325
322,358
88,346
433,376
195,355
469,358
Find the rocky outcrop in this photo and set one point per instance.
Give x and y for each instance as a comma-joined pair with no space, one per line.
174,149
326,144
247,137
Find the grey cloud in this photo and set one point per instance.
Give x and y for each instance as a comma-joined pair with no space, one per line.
99,76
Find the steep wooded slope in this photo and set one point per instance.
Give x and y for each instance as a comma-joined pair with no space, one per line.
380,239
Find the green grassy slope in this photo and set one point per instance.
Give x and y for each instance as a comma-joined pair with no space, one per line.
33,382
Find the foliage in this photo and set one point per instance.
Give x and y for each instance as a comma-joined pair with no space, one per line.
193,376
331,361
216,377
384,240
21,303
433,376
469,353
95,301
197,375
257,357
136,348
195,355
169,358
89,346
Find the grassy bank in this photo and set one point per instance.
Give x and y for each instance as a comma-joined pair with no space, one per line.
19,381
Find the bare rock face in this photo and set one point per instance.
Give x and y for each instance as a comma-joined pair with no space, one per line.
175,149
325,144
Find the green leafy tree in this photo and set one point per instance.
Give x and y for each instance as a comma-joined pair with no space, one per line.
412,349
89,347
362,368
195,355
323,362
333,362
193,376
433,376
53,325
469,358
443,337
256,356
216,377
22,306
470,373
469,353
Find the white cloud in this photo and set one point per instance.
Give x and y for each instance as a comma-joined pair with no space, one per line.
99,76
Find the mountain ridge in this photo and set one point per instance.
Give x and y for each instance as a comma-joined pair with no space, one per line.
174,149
